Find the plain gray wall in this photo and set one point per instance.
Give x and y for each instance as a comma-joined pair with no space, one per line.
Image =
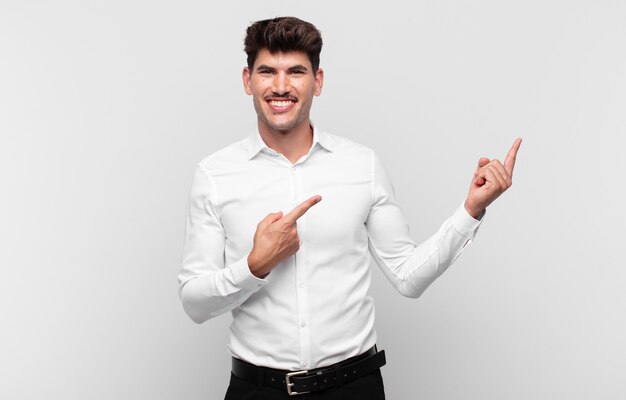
106,107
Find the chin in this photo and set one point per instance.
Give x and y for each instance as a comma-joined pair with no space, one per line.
281,127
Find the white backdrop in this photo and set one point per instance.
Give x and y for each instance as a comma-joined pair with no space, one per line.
106,107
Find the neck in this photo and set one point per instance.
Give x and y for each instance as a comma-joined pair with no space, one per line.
292,144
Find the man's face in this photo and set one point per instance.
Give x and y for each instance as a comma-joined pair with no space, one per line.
282,86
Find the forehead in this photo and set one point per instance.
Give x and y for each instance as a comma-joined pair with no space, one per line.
282,59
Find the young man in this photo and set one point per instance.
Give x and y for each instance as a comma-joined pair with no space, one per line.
282,226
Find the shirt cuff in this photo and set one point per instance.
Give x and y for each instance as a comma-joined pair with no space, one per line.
244,278
464,223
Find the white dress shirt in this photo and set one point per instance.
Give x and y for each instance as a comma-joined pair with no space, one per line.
313,309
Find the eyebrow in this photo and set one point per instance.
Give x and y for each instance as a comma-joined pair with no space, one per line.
298,67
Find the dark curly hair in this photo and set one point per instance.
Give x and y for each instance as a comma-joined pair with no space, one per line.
283,34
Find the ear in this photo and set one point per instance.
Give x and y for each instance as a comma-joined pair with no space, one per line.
245,75
319,81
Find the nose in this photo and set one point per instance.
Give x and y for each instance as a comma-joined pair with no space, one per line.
280,83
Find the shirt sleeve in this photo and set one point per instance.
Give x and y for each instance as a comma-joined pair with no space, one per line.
409,267
208,287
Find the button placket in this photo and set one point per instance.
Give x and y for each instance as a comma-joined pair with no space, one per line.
300,273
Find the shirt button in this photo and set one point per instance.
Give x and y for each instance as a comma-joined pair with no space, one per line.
300,285
302,324
304,364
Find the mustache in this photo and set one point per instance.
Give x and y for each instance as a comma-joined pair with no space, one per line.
280,96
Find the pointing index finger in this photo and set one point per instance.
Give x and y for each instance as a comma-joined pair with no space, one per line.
301,208
509,161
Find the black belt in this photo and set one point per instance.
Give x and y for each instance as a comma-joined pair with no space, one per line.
300,382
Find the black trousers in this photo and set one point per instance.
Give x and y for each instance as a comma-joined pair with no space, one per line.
368,387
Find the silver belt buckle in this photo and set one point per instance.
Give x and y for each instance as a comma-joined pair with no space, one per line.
289,384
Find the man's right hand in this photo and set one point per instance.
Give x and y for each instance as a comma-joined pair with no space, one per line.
276,238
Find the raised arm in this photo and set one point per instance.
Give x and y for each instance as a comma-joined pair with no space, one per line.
412,268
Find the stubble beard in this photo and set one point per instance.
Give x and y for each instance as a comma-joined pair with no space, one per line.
286,127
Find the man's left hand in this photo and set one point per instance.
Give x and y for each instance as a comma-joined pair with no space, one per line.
490,180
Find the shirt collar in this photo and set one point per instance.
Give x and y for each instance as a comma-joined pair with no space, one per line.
256,143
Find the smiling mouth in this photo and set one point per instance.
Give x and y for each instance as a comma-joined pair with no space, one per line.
281,104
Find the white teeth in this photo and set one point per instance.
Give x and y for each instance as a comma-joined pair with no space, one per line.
276,103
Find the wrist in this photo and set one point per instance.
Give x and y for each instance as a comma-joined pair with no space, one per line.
255,267
474,212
